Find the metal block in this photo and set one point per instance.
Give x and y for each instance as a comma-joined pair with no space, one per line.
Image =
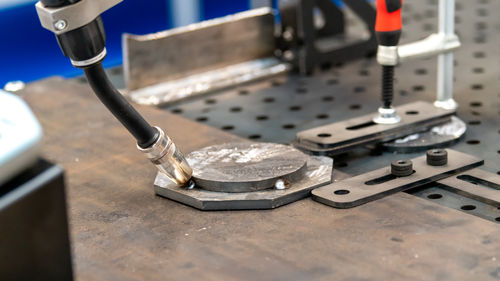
202,57
319,172
374,185
34,235
346,135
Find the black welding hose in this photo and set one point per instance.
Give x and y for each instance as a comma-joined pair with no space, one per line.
58,3
119,106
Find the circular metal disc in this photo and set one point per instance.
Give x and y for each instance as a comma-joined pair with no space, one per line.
245,167
439,136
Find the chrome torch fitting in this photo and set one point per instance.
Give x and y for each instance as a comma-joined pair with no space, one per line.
168,159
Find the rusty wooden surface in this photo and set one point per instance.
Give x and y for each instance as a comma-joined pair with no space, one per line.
121,231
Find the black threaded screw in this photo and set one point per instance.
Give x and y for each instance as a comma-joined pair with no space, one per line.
387,85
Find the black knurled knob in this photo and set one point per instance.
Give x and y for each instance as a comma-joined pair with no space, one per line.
437,157
401,168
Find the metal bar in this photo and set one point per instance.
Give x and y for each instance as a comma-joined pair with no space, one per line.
442,195
172,55
476,184
355,191
260,3
445,61
185,12
343,136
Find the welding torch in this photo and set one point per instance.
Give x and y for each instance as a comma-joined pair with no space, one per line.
79,30
388,31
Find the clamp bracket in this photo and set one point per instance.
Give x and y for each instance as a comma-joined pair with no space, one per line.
380,183
63,19
434,44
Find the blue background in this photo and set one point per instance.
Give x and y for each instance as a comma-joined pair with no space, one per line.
28,52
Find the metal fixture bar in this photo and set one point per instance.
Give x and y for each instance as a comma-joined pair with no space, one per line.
377,184
346,135
476,184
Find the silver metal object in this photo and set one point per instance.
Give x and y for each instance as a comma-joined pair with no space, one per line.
445,61
168,159
319,172
439,136
346,135
198,84
63,19
280,184
442,43
434,44
387,116
60,25
167,66
246,166
377,184
91,61
388,55
184,12
261,3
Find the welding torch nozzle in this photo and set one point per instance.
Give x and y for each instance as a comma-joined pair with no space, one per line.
168,159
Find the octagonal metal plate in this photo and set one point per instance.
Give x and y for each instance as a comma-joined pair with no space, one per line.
319,172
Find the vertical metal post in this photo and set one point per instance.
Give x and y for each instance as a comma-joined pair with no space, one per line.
260,3
445,61
185,12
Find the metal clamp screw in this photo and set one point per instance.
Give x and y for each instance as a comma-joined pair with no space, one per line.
60,25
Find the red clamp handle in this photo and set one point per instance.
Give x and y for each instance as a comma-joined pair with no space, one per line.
389,23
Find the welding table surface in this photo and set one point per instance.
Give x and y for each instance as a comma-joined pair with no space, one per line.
121,231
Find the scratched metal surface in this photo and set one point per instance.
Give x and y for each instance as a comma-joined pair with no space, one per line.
276,109
245,166
122,231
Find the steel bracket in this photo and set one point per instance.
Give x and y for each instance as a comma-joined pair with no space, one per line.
312,45
166,67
